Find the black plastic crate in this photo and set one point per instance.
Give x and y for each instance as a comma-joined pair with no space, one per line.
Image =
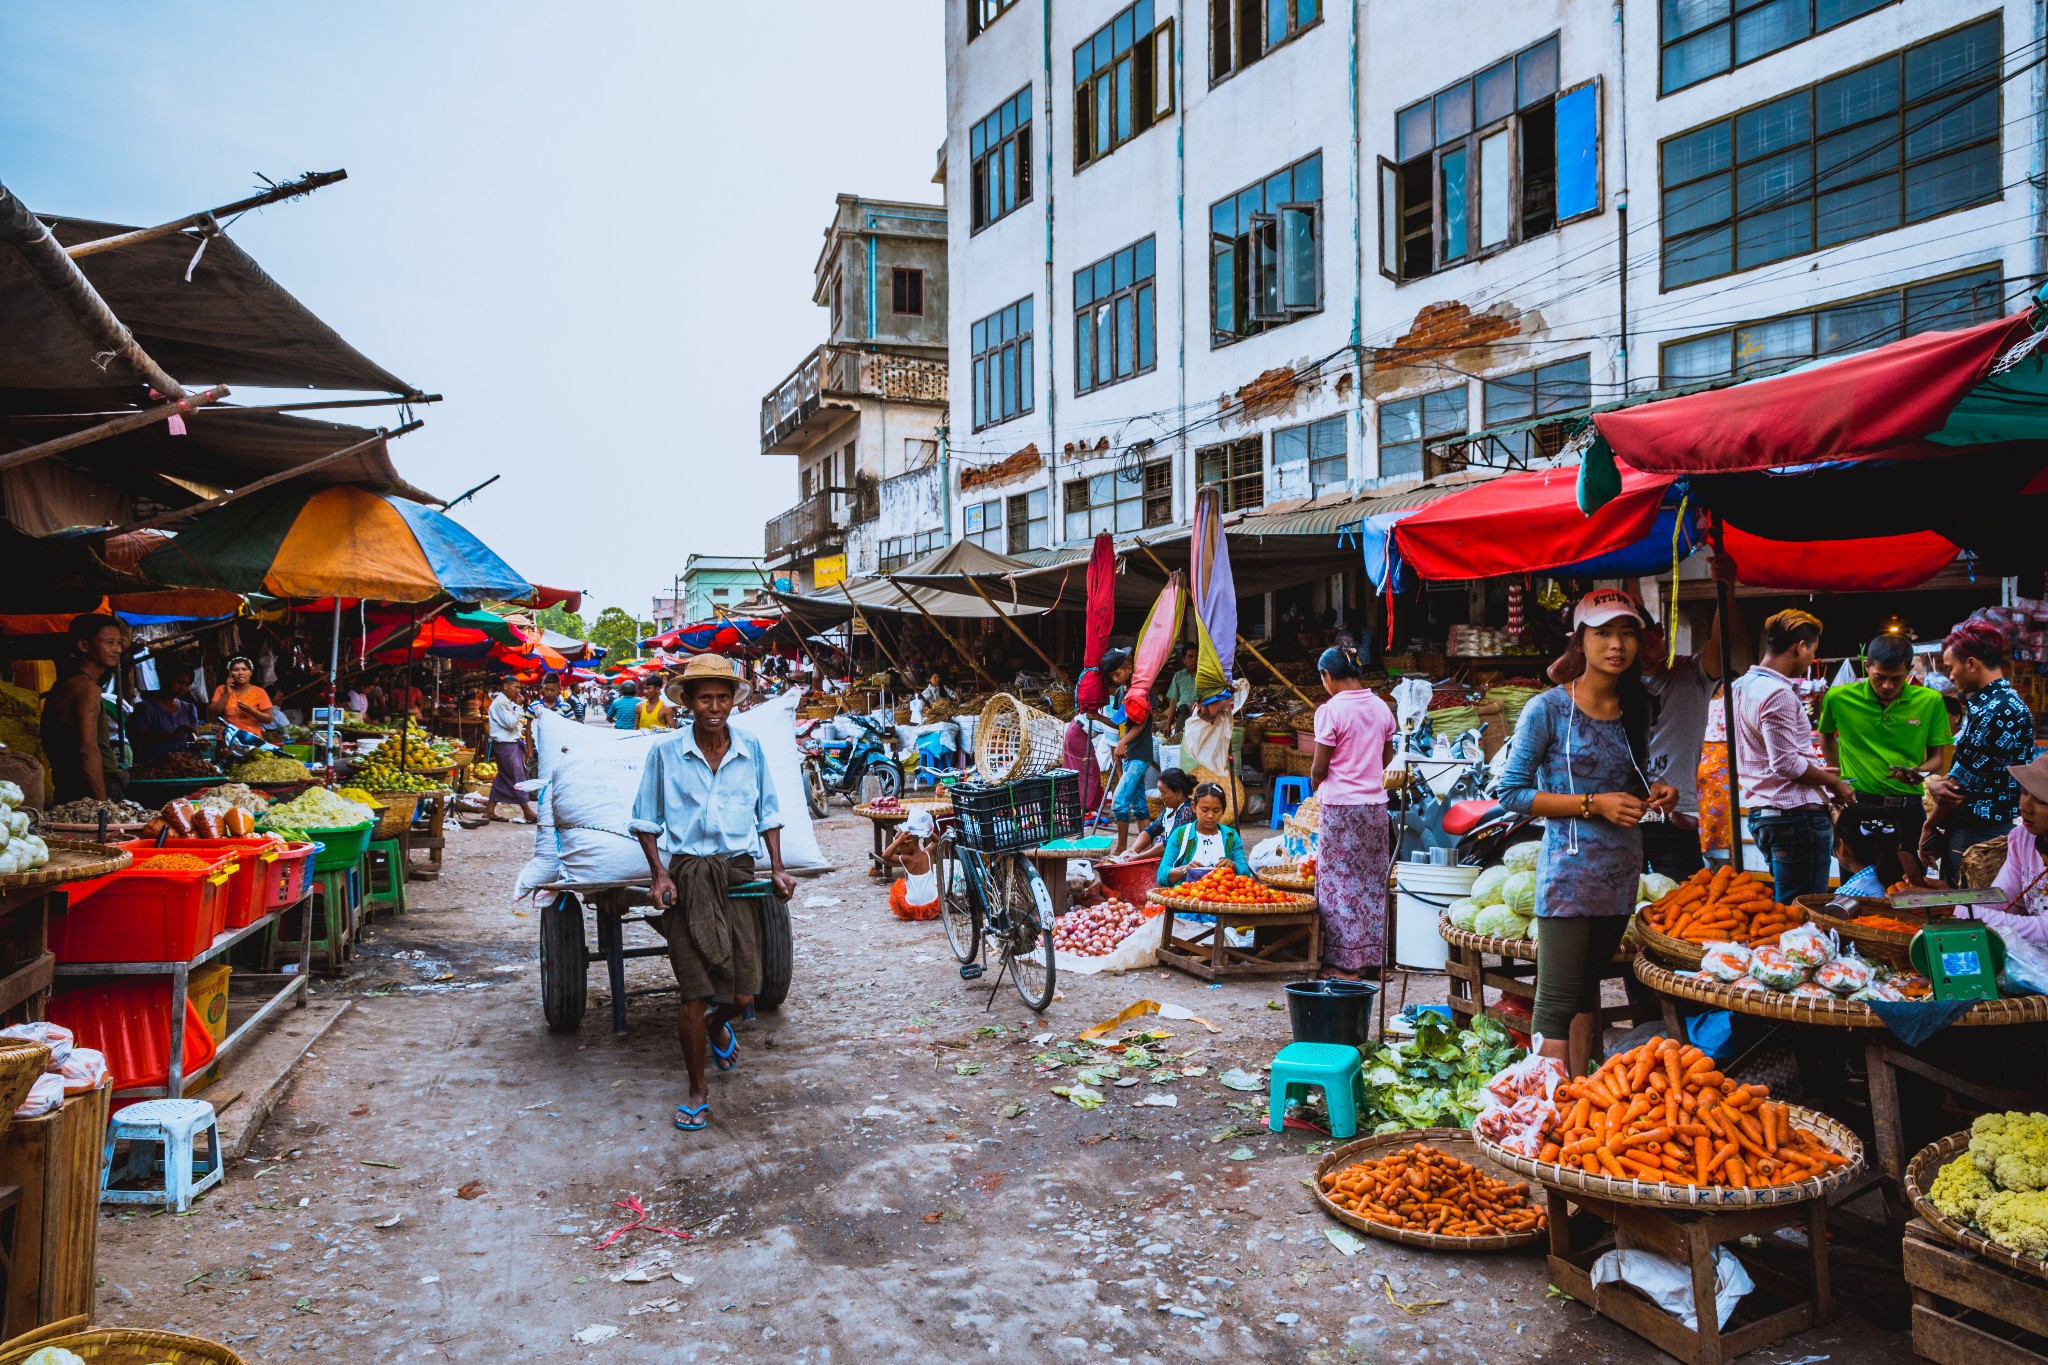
1002,817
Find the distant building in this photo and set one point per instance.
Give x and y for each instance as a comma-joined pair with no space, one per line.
863,413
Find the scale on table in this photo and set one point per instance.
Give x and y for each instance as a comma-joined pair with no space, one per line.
1960,959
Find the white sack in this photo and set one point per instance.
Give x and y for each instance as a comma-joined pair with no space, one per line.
1139,949
1669,1284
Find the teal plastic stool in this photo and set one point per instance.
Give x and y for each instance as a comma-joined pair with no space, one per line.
1334,1068
1288,794
387,856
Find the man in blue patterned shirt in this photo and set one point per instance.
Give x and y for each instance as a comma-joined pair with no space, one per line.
1997,733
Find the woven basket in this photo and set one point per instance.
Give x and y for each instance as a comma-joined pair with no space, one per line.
1273,758
1522,949
1920,1173
1227,910
1284,879
1832,1135
1662,946
883,817
1832,1013
1456,1142
119,1346
71,860
1888,946
396,816
1300,764
1014,739
1983,862
20,1063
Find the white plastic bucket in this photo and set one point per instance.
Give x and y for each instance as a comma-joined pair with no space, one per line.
1422,891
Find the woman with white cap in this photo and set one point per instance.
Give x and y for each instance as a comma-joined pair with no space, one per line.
1577,762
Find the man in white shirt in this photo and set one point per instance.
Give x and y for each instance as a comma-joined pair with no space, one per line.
508,750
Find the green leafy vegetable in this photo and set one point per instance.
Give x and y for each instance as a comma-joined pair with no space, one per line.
1437,1079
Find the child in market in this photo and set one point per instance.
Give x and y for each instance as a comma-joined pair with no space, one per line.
1192,850
1176,789
915,896
1867,852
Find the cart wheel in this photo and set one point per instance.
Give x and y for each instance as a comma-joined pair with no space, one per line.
564,964
777,953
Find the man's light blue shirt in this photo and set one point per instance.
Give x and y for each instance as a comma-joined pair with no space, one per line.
692,809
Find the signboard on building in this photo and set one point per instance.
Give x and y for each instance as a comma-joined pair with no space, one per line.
827,570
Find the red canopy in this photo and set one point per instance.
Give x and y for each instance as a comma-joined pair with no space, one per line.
1523,523
1877,564
1879,404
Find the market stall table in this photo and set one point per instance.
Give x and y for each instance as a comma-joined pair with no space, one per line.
1513,974
883,824
428,834
1287,940
1052,859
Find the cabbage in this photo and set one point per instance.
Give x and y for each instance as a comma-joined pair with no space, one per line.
1518,893
1462,913
1500,922
11,794
1654,886
1530,932
1489,880
1522,857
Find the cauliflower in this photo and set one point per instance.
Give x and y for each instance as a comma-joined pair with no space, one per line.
1522,857
1501,922
2017,1220
1484,890
1462,913
1654,886
2012,1149
1518,893
1959,1189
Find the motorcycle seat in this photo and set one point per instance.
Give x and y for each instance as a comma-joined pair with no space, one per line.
1465,816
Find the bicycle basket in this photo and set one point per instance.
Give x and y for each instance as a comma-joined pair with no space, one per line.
1003,817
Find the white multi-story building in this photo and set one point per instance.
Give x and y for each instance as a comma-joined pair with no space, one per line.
1299,249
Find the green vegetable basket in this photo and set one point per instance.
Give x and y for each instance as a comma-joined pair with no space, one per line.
340,848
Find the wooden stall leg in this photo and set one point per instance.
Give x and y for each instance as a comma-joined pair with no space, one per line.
1884,1114
1698,1241
1817,1247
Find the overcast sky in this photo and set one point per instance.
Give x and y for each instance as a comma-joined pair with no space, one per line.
590,227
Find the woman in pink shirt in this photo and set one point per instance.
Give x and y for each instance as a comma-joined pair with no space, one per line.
2022,878
1354,737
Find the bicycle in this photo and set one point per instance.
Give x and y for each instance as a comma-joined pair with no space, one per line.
991,895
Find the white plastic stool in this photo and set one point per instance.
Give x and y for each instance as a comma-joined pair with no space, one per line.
174,1125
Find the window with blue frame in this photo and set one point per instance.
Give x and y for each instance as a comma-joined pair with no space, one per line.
1123,82
1698,39
982,13
1265,253
1309,460
1899,140
1113,306
1001,345
1242,31
1488,163
1561,387
999,171
1408,424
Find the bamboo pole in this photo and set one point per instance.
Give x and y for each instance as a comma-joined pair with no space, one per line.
182,513
276,194
965,657
69,289
33,418
803,628
365,650
873,634
1242,643
1017,631
127,421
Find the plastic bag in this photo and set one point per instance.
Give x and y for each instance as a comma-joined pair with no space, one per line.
1533,1075
1807,946
1846,975
1806,990
2026,967
1517,1127
44,1097
1748,983
84,1070
1669,1284
1774,969
1725,961
55,1037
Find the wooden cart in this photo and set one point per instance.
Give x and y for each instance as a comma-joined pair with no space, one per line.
565,955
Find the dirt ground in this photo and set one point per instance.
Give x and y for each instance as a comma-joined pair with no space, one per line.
887,1173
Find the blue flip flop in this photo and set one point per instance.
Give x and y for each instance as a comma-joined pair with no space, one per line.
693,1118
727,1057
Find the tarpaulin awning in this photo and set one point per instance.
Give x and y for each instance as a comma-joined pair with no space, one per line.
713,636
1528,522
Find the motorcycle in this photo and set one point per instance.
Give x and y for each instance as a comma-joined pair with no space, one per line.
1463,818
836,767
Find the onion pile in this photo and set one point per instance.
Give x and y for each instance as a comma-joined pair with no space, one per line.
885,805
1093,930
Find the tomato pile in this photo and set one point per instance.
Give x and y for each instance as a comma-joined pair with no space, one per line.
1225,887
1092,930
1306,869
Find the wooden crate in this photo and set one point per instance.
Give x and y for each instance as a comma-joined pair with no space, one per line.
56,1161
1970,1311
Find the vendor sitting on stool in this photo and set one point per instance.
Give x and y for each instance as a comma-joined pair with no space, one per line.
705,809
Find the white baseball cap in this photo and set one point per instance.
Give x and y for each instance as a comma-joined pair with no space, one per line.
920,824
1602,605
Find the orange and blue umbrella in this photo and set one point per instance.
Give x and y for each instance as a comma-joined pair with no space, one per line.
306,540
713,636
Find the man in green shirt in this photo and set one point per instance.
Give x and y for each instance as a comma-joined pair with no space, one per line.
1180,692
1887,735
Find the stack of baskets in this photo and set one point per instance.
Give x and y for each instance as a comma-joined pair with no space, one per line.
1014,739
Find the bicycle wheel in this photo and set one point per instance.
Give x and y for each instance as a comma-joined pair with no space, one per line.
959,907
1027,937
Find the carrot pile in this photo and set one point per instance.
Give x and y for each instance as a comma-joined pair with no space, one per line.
1425,1190
1887,922
1662,1112
1723,907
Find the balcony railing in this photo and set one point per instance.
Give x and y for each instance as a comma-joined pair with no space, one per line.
836,371
819,522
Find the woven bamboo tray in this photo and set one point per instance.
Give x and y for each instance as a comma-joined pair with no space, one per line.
1235,912
1920,1173
1521,948
1888,946
71,860
117,829
120,1346
1281,880
1832,1013
1832,1135
1457,1142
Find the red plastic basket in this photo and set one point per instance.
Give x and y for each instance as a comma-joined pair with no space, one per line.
129,1020
244,901
139,915
1129,882
286,879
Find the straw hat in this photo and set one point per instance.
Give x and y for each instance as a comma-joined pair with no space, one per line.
2032,777
706,667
